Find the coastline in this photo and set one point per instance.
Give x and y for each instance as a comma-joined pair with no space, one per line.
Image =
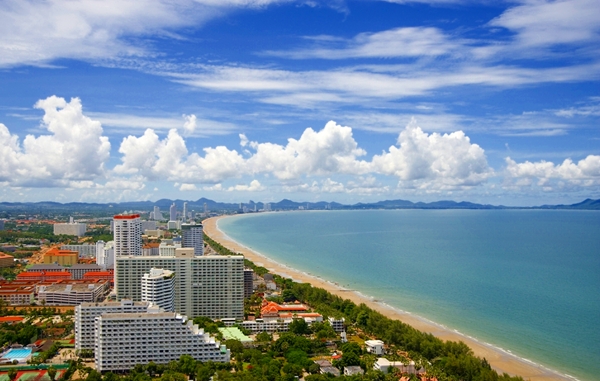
500,360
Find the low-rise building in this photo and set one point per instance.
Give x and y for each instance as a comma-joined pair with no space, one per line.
124,340
79,269
62,257
375,347
44,276
73,293
384,365
6,260
17,295
336,324
353,370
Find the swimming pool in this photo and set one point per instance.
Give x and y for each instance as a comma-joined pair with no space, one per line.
17,354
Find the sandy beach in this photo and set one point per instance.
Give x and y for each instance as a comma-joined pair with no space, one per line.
501,361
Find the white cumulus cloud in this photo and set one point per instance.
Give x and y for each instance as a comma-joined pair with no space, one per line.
585,172
74,150
330,150
433,160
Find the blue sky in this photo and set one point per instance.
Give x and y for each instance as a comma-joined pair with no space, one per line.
348,101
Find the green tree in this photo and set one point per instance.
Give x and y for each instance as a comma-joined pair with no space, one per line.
299,327
264,337
12,374
93,375
51,373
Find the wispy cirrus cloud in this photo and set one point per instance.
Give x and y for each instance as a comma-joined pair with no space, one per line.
36,33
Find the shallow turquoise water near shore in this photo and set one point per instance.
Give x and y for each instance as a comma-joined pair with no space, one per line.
527,281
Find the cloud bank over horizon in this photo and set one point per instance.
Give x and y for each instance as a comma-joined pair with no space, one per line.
75,154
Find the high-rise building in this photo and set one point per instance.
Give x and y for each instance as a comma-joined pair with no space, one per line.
105,254
185,212
124,340
173,213
157,214
127,234
211,286
192,236
248,282
86,314
205,208
158,287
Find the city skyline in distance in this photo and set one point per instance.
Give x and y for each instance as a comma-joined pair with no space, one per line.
351,102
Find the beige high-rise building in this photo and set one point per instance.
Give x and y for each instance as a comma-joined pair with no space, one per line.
127,234
211,286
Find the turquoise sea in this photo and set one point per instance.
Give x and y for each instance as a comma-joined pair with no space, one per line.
526,281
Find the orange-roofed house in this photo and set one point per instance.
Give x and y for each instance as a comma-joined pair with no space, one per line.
62,257
270,309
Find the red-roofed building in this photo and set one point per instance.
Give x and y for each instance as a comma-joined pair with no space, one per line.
96,275
62,257
11,319
44,276
271,309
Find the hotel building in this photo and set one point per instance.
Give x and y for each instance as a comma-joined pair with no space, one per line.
158,287
127,235
124,340
70,228
192,236
86,314
211,286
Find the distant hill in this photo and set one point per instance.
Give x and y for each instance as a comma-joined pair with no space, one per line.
285,204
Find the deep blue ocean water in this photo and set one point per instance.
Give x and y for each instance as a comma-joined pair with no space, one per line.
527,281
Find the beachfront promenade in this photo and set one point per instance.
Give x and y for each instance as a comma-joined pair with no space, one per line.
500,361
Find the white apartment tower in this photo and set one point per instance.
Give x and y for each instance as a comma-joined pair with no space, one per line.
157,214
211,286
124,340
173,213
127,234
158,287
185,212
86,314
192,236
105,254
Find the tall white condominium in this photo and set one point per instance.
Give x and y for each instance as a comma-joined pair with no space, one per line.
192,236
157,214
128,234
124,340
86,314
185,212
158,287
173,213
211,286
105,254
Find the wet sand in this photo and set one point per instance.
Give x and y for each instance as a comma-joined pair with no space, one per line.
501,361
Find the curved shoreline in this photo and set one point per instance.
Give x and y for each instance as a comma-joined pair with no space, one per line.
501,360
